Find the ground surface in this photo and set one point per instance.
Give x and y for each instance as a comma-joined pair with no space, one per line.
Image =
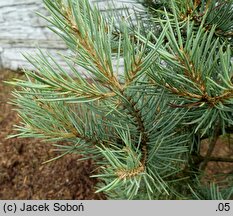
22,175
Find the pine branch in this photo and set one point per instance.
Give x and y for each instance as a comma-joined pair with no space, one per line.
88,45
212,9
140,127
194,75
176,73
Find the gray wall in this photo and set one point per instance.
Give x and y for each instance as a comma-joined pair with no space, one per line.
21,30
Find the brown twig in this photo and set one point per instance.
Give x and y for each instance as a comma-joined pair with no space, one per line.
140,127
212,145
218,159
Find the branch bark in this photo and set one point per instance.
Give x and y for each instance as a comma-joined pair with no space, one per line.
212,145
217,159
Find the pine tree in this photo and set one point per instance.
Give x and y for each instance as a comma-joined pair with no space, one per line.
143,125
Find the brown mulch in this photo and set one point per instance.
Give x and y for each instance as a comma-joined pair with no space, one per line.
220,172
22,175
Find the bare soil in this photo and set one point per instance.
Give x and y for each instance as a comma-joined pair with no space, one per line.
22,175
